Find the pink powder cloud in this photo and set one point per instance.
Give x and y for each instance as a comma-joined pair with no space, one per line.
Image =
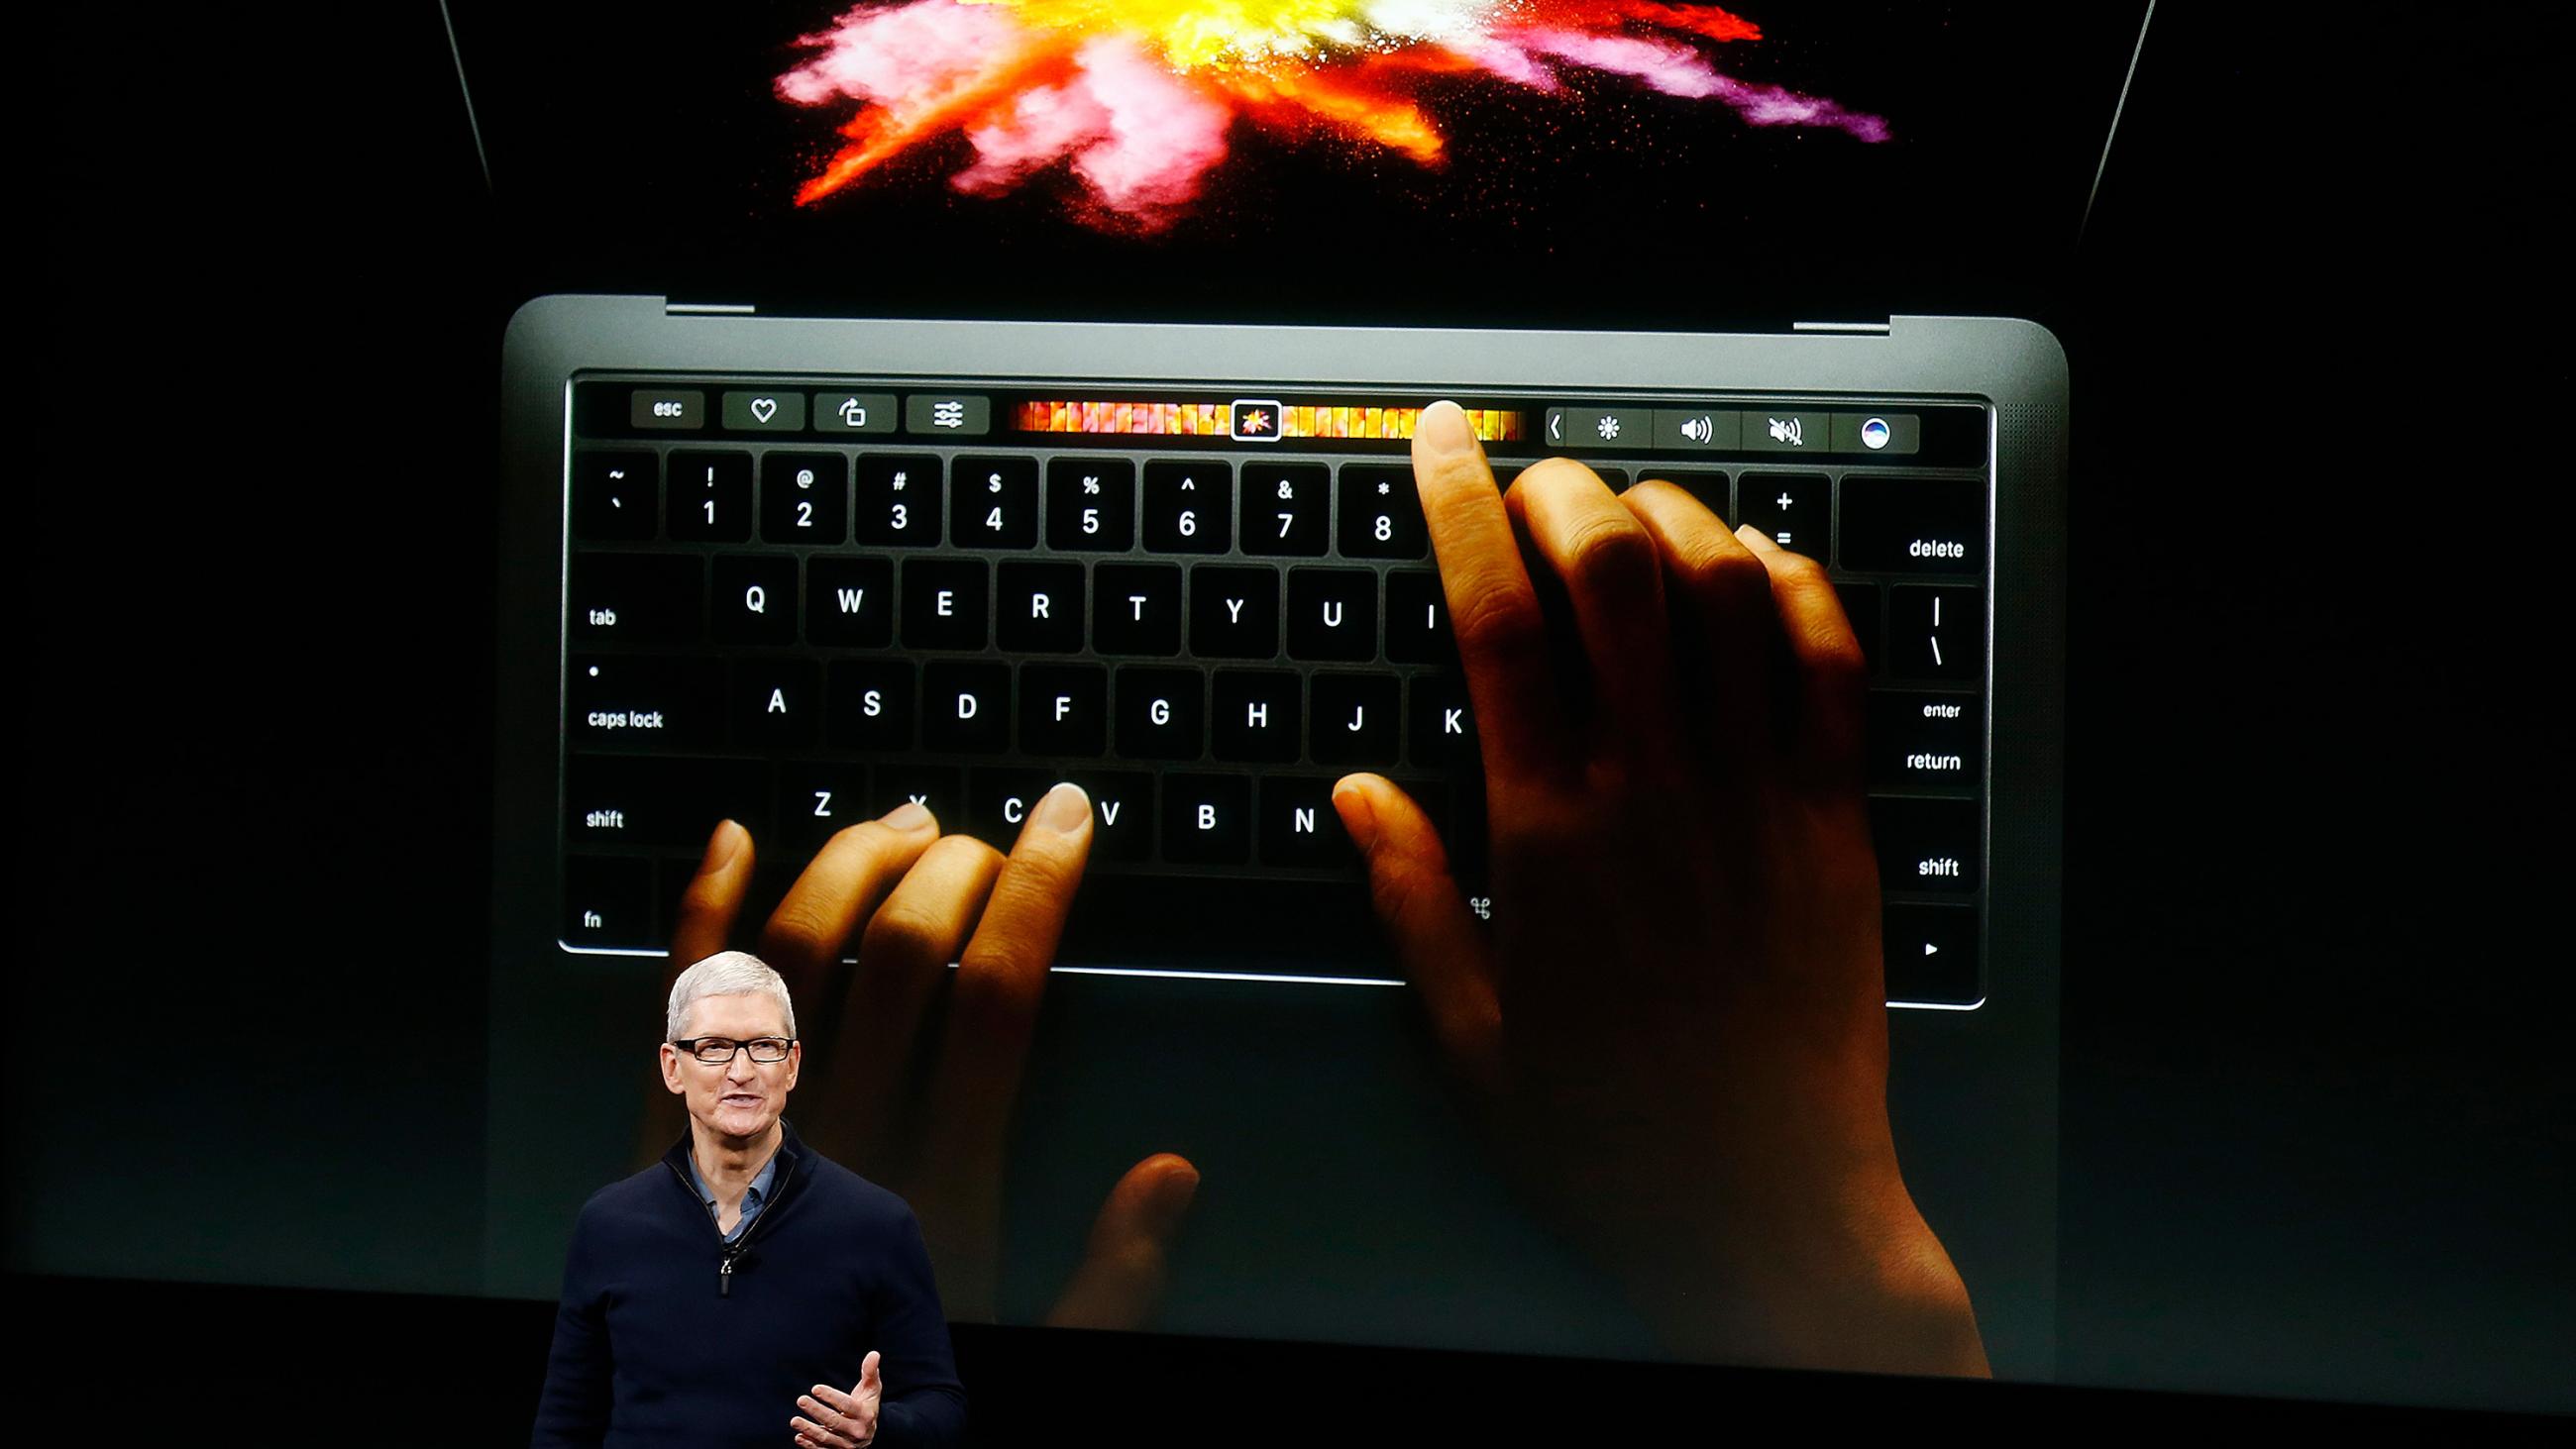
903,56
1141,140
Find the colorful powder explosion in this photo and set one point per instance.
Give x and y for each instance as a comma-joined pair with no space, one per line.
1138,96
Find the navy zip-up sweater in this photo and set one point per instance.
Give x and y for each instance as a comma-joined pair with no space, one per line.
656,1344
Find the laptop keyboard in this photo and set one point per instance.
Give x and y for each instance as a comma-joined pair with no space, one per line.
797,604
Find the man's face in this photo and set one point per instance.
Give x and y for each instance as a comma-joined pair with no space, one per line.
741,1098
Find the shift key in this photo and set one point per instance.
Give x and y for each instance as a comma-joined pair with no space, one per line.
641,806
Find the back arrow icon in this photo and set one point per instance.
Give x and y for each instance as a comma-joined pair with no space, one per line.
1556,427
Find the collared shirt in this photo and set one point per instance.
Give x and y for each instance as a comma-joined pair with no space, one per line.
753,1199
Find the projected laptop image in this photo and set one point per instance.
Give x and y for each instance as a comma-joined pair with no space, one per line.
931,402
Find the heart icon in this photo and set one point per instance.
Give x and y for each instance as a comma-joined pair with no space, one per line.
764,408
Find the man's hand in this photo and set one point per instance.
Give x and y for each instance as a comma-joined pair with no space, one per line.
913,1071
841,1421
1674,1031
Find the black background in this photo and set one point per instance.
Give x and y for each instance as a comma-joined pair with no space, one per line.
2316,1124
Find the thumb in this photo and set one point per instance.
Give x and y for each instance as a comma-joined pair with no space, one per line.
1444,950
870,1386
1126,1264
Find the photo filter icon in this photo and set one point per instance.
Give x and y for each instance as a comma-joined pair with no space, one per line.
1873,434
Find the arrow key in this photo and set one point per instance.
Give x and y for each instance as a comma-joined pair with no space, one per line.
1932,955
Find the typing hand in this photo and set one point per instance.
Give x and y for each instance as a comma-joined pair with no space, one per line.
841,1421
1674,1030
914,1070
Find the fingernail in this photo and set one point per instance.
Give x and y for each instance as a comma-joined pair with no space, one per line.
1173,1192
1063,810
723,845
1757,538
1442,429
1359,817
910,815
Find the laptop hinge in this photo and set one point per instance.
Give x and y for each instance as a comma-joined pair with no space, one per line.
729,309
1877,328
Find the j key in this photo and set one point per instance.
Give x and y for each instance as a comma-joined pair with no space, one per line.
897,500
804,498
1936,633
1286,507
940,790
774,704
1417,619
1860,605
1381,513
711,497
754,599
1926,845
1926,740
1793,508
1443,731
1064,709
1931,954
644,805
1332,614
817,801
998,803
616,496
608,903
1038,607
1298,825
1915,525
1162,714
870,705
994,502
1122,813
849,601
943,603
1207,819
1136,609
627,702
1355,720
966,708
1189,507
1255,714
1091,504
636,598
1234,613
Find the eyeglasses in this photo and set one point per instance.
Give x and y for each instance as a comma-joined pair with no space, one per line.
716,1051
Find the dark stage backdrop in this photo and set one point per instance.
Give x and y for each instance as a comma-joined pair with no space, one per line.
2315,1134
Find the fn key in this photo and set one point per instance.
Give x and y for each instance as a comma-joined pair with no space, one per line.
608,904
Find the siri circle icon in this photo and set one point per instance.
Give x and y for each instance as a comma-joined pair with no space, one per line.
1873,434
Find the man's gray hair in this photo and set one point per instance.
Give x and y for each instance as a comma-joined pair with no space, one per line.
726,973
